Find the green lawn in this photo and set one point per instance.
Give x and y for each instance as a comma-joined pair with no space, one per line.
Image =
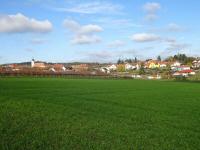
58,113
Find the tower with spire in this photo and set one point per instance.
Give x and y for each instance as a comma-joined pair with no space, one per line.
32,63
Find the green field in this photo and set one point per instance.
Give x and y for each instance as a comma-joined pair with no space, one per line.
59,113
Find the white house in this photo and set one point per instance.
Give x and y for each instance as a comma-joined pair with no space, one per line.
104,70
108,69
112,67
196,64
163,64
129,67
137,66
52,69
37,64
175,65
136,76
181,68
63,68
184,68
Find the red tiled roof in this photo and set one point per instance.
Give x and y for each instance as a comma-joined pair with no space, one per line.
186,71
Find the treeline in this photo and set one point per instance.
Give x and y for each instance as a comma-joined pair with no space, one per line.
127,60
182,58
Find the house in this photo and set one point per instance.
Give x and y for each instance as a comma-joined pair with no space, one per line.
184,73
80,67
137,66
58,68
52,69
163,64
130,67
108,69
152,64
37,64
112,67
104,70
13,67
174,65
136,76
181,68
154,77
185,67
196,64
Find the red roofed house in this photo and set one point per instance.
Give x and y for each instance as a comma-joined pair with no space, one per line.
184,73
58,67
81,67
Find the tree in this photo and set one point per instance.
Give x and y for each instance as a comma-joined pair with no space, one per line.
142,71
119,61
159,58
128,60
121,68
135,61
182,58
170,59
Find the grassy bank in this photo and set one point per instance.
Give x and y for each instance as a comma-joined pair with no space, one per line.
60,113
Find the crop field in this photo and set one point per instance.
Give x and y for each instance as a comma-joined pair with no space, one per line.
61,114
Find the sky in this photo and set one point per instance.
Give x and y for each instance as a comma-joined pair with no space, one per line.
97,30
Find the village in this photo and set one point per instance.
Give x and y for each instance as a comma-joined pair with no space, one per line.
148,69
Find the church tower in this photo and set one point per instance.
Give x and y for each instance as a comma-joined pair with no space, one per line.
32,63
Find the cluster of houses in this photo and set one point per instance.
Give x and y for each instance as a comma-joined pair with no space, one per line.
44,66
150,64
176,68
51,67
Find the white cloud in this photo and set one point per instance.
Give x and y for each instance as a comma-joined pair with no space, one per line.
104,55
116,44
85,39
151,17
38,41
83,34
151,9
145,37
173,27
173,44
89,29
21,24
29,50
114,23
93,8
71,25
108,56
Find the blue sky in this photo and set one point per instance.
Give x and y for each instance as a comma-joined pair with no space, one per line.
97,31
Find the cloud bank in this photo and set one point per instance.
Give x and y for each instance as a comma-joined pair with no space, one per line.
83,34
145,37
92,8
151,9
21,24
116,44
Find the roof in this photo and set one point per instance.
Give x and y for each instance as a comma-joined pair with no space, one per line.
184,66
186,71
58,65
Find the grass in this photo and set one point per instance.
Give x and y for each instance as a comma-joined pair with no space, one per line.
58,113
